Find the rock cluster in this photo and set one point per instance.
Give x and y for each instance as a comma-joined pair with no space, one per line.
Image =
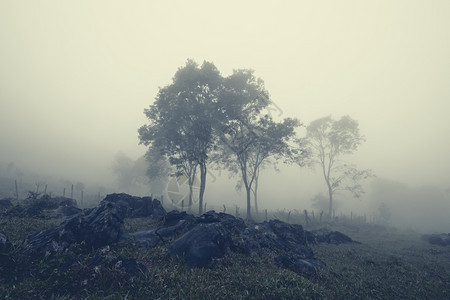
88,230
198,239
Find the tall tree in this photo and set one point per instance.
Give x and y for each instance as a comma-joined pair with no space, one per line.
329,139
250,137
184,117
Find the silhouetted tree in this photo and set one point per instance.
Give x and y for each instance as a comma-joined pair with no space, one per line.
250,137
328,140
184,117
130,173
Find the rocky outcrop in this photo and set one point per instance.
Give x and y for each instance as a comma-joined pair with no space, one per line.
89,230
223,233
201,244
137,207
198,239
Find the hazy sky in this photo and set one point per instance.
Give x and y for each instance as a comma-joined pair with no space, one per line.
75,76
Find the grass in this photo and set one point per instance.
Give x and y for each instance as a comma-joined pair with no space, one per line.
388,264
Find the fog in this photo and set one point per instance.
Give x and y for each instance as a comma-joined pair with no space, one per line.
76,76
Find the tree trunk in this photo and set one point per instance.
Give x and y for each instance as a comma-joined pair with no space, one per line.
17,190
202,187
191,183
255,195
249,207
255,191
330,194
190,194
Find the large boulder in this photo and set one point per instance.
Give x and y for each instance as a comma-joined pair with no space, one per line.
137,207
175,223
215,234
201,244
98,227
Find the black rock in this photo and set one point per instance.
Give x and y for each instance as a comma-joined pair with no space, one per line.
442,239
233,224
137,207
199,240
98,228
201,244
329,237
288,233
174,217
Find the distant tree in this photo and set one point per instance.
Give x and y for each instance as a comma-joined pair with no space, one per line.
328,140
249,138
158,170
130,174
321,202
183,119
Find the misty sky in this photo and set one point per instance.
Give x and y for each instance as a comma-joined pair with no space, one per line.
75,76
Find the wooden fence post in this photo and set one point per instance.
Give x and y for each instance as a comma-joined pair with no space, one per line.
17,190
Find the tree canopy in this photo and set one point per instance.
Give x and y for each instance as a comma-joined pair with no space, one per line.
183,119
202,115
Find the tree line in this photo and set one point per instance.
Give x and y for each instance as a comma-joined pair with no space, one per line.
205,120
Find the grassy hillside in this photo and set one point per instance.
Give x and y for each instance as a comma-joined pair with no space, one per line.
386,265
